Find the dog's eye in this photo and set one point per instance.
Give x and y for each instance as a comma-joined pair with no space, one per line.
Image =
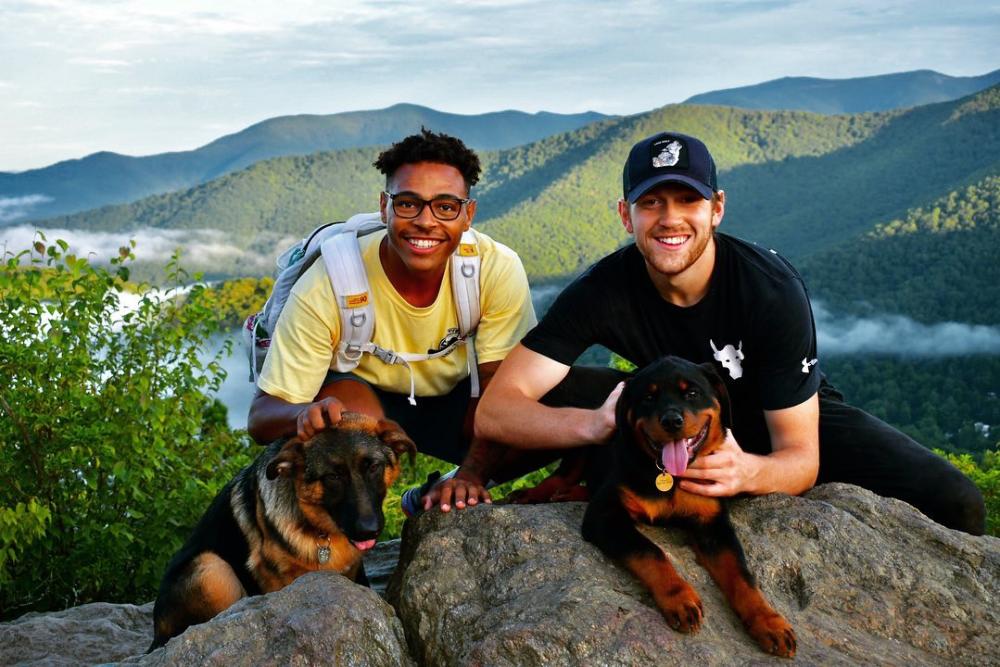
692,394
336,475
376,468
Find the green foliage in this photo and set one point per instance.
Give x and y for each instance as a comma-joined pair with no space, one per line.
621,363
111,449
940,262
937,402
986,476
235,300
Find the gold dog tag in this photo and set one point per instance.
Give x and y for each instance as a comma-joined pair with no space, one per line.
664,481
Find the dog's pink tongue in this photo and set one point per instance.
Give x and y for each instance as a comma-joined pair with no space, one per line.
675,457
363,546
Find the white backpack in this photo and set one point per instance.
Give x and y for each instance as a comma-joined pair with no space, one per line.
337,244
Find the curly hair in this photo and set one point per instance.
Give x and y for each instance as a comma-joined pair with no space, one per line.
430,147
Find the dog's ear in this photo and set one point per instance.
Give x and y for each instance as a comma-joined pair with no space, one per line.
287,460
721,393
393,435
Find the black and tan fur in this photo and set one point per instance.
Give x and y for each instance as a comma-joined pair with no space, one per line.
669,400
266,527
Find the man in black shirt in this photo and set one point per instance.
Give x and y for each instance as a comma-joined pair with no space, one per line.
685,289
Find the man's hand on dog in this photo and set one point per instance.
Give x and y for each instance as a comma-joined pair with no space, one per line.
603,425
725,472
464,490
318,416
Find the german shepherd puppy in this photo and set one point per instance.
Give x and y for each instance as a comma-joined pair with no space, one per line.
670,413
299,507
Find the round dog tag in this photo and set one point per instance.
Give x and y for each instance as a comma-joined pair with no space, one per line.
664,482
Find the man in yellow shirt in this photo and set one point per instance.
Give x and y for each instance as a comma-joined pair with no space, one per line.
426,208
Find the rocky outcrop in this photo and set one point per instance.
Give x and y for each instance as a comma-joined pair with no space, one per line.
862,579
84,635
321,619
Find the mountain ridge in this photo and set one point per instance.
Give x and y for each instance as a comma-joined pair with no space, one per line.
881,92
105,177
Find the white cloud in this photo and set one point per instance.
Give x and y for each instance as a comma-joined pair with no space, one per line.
238,63
14,208
201,248
100,62
900,336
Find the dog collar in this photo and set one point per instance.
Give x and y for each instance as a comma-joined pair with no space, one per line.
323,549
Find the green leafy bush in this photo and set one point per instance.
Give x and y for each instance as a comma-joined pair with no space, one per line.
109,448
985,475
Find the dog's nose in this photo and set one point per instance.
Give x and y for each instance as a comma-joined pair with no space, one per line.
367,526
672,420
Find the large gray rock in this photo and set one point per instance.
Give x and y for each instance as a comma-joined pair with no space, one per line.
862,579
83,635
321,619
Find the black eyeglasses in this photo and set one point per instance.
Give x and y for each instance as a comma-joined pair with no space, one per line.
406,205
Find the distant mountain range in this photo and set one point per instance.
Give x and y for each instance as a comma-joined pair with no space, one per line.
871,93
109,178
799,182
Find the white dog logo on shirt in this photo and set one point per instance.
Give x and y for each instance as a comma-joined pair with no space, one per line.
730,358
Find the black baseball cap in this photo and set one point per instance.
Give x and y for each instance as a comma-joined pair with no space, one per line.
669,157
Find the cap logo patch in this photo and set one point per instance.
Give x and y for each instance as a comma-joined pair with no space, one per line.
668,155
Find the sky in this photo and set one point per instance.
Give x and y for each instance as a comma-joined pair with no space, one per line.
149,76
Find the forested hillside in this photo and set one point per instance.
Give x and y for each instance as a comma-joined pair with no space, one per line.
939,262
947,403
798,182
552,200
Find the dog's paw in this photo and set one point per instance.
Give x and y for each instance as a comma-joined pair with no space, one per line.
681,607
773,634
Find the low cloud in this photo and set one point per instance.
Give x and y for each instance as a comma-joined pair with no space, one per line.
15,208
200,248
897,335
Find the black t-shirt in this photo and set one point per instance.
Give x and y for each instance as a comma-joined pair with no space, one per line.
755,324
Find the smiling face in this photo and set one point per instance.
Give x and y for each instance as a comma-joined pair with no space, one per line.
672,226
419,248
673,411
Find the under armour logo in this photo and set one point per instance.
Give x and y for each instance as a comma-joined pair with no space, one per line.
806,363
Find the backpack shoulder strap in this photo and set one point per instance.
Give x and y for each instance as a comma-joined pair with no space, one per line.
465,270
346,271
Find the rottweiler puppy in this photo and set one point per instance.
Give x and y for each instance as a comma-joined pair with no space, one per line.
670,413
299,507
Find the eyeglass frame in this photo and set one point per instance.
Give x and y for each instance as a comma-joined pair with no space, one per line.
427,202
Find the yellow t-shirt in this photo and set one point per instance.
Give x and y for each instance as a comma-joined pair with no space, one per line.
308,329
